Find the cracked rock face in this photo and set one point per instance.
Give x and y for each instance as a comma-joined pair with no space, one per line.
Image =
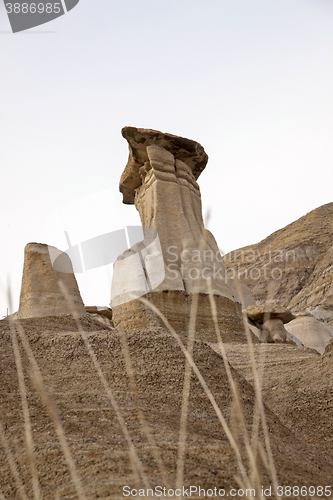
40,296
178,254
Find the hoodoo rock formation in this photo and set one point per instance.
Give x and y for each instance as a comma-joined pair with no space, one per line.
44,266
270,320
178,255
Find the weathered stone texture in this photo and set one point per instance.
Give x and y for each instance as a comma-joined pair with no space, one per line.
317,294
311,332
40,294
292,265
178,253
190,152
176,307
269,319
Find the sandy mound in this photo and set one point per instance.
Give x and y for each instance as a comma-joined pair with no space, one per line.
96,440
297,385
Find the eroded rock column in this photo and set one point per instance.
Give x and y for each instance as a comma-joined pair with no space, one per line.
40,296
178,255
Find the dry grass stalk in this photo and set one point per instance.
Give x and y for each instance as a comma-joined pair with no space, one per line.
37,379
12,464
263,456
188,373
145,427
205,387
237,418
186,395
259,411
26,414
257,386
255,443
135,461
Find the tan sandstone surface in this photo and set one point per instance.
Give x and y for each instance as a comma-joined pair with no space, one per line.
178,255
40,294
311,332
297,383
317,294
143,365
269,319
302,455
292,265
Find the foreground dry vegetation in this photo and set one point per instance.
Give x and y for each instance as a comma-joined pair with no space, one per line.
299,419
92,411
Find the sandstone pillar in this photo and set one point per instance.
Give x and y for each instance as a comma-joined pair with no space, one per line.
40,296
178,255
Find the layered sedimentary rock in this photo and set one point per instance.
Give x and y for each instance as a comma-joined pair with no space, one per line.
292,265
317,294
178,256
40,296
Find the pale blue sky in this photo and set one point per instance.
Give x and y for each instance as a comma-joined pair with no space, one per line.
251,80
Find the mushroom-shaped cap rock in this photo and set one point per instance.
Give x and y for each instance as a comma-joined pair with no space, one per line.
190,152
259,314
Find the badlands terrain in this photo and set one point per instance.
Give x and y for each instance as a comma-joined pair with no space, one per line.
297,391
223,384
293,265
